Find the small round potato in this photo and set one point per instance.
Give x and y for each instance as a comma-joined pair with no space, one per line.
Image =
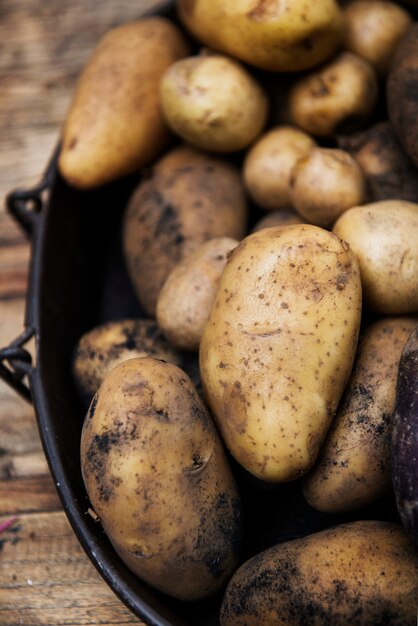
324,184
373,29
189,199
357,574
158,478
102,348
284,36
185,301
389,171
269,163
339,96
214,103
354,467
383,236
281,217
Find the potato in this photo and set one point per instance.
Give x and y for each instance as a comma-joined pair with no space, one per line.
281,217
212,102
361,574
405,439
279,345
402,85
185,301
115,125
373,29
180,207
102,348
283,37
325,183
389,171
383,236
340,96
269,163
354,466
157,477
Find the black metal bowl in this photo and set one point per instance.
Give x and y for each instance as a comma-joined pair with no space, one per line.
77,281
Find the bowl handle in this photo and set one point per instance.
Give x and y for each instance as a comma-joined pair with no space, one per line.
16,363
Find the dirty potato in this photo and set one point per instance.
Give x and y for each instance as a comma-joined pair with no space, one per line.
354,466
185,301
362,574
279,345
186,202
158,478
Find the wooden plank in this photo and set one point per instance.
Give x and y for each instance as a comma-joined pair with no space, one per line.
46,578
28,494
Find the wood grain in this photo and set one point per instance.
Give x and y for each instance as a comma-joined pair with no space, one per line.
45,576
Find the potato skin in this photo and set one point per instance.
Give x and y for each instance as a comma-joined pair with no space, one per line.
383,237
389,171
99,350
279,345
286,38
354,466
339,96
269,163
362,574
157,476
120,82
185,301
213,102
402,86
175,211
280,217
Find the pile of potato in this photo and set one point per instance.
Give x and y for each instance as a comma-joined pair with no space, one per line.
280,339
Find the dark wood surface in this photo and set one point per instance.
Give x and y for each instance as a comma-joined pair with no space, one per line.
45,576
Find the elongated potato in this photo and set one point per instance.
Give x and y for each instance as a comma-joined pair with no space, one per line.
354,466
358,574
383,235
405,437
185,301
279,345
281,36
157,476
188,200
102,348
115,125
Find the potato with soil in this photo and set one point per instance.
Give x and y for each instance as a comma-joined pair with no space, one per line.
402,88
269,163
384,237
389,171
283,37
186,299
279,345
405,437
187,201
373,29
340,96
325,183
213,102
354,466
357,574
102,348
157,477
115,124
281,217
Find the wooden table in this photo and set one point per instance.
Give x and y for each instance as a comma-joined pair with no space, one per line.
45,576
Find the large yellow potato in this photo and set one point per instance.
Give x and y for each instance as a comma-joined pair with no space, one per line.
115,125
358,574
158,478
283,36
190,198
354,466
213,102
279,345
384,237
